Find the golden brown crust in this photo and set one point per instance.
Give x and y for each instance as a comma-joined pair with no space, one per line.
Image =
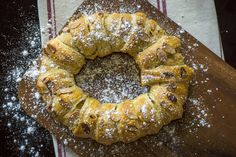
164,51
171,101
163,74
64,56
160,61
99,34
54,79
136,39
80,31
113,25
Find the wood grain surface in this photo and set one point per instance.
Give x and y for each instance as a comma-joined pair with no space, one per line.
214,87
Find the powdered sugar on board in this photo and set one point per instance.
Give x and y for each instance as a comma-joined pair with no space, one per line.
98,7
111,79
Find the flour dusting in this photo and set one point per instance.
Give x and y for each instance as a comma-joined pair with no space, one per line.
111,79
22,131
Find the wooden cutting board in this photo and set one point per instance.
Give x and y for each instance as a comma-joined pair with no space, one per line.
208,127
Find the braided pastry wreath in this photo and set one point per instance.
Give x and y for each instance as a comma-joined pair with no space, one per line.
161,66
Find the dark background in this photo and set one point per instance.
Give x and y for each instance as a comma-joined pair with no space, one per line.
226,12
18,26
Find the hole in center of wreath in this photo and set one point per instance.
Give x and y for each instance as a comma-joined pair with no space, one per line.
111,79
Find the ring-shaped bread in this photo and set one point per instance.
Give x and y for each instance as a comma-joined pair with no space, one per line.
157,55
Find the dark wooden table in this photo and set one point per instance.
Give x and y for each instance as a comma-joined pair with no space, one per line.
19,23
19,26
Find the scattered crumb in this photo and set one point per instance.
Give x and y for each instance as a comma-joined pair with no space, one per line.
25,53
182,31
65,142
209,91
195,45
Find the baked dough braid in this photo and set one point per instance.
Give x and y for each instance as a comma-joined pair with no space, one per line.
157,55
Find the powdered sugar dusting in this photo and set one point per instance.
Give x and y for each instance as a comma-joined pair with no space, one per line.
12,108
22,132
111,79
200,114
